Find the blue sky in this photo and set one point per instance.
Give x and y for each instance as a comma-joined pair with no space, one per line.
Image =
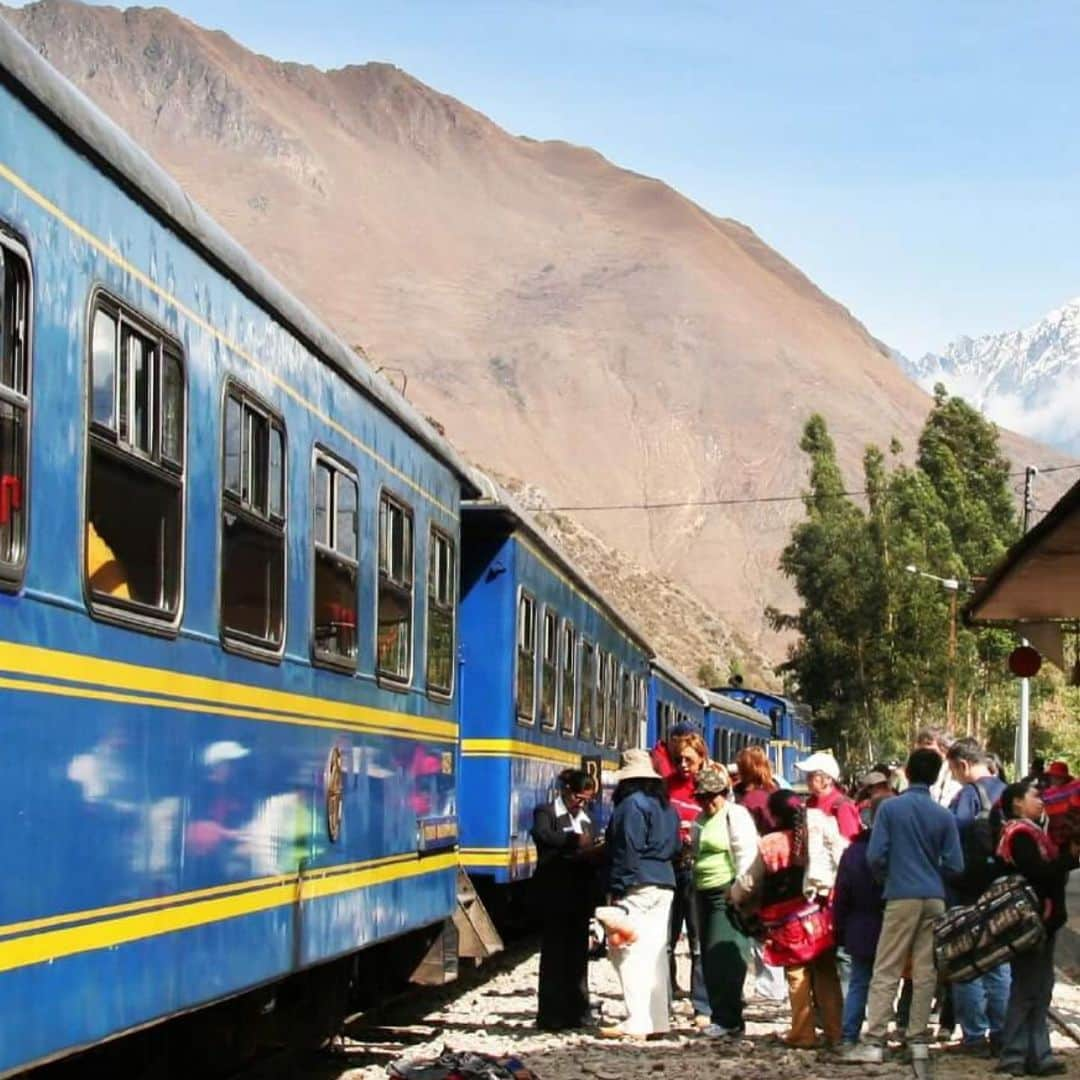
920,161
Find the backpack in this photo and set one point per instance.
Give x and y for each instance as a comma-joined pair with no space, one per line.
978,843
972,940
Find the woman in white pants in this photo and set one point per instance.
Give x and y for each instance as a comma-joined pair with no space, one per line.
642,841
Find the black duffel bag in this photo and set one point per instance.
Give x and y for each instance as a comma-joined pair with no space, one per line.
1005,921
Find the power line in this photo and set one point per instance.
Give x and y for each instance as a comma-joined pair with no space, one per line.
752,500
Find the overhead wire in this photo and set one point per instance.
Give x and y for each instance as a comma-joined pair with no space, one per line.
752,500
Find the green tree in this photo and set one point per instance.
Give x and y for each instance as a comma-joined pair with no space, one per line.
878,648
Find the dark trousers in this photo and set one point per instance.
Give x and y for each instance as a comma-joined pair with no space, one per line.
723,957
564,968
684,910
1025,1038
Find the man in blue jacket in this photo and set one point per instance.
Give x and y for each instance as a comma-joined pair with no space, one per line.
913,847
981,1003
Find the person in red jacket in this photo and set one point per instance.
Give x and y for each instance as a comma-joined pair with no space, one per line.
689,756
822,773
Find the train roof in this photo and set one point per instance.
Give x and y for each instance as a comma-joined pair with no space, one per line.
495,501
800,710
677,678
723,703
63,105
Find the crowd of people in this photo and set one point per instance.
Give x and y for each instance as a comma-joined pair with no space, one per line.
831,897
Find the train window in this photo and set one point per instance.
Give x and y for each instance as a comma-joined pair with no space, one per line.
587,690
526,659
14,408
611,716
135,458
442,583
393,642
601,696
335,529
549,670
627,714
567,660
252,524
642,712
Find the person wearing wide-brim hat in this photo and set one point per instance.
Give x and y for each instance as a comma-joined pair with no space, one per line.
642,841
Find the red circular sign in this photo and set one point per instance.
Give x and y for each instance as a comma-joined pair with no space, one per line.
1025,661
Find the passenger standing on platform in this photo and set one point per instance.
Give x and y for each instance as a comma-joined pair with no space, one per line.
945,789
725,847
822,772
858,909
756,784
979,1004
1026,849
914,845
790,879
642,841
563,897
689,755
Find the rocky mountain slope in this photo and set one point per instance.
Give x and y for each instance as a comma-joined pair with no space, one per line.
568,322
1027,379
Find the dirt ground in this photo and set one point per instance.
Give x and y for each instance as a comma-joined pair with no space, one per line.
496,1017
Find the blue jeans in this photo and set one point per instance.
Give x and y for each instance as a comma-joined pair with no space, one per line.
980,1005
855,998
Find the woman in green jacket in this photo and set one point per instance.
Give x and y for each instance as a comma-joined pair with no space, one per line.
725,846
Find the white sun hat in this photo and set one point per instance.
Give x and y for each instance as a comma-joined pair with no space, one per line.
820,761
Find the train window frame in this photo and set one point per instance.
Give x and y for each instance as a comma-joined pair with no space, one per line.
526,601
116,460
16,391
265,514
448,603
627,712
611,725
586,687
405,585
326,546
549,668
568,656
600,727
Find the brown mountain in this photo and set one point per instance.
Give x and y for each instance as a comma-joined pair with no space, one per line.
569,322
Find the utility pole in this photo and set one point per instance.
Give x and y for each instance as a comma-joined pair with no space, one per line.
950,700
1023,733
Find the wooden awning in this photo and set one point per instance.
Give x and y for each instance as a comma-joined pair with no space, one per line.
1038,581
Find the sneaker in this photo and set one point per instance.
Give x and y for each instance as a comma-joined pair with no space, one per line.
718,1031
1014,1068
861,1054
701,1021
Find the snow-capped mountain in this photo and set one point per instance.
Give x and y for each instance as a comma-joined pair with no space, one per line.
1027,380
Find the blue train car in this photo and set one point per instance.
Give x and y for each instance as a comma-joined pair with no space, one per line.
673,699
228,566
792,736
731,726
552,676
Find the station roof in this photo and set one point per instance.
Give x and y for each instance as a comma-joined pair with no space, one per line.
1036,586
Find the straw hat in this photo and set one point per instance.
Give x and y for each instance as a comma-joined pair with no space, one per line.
635,765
